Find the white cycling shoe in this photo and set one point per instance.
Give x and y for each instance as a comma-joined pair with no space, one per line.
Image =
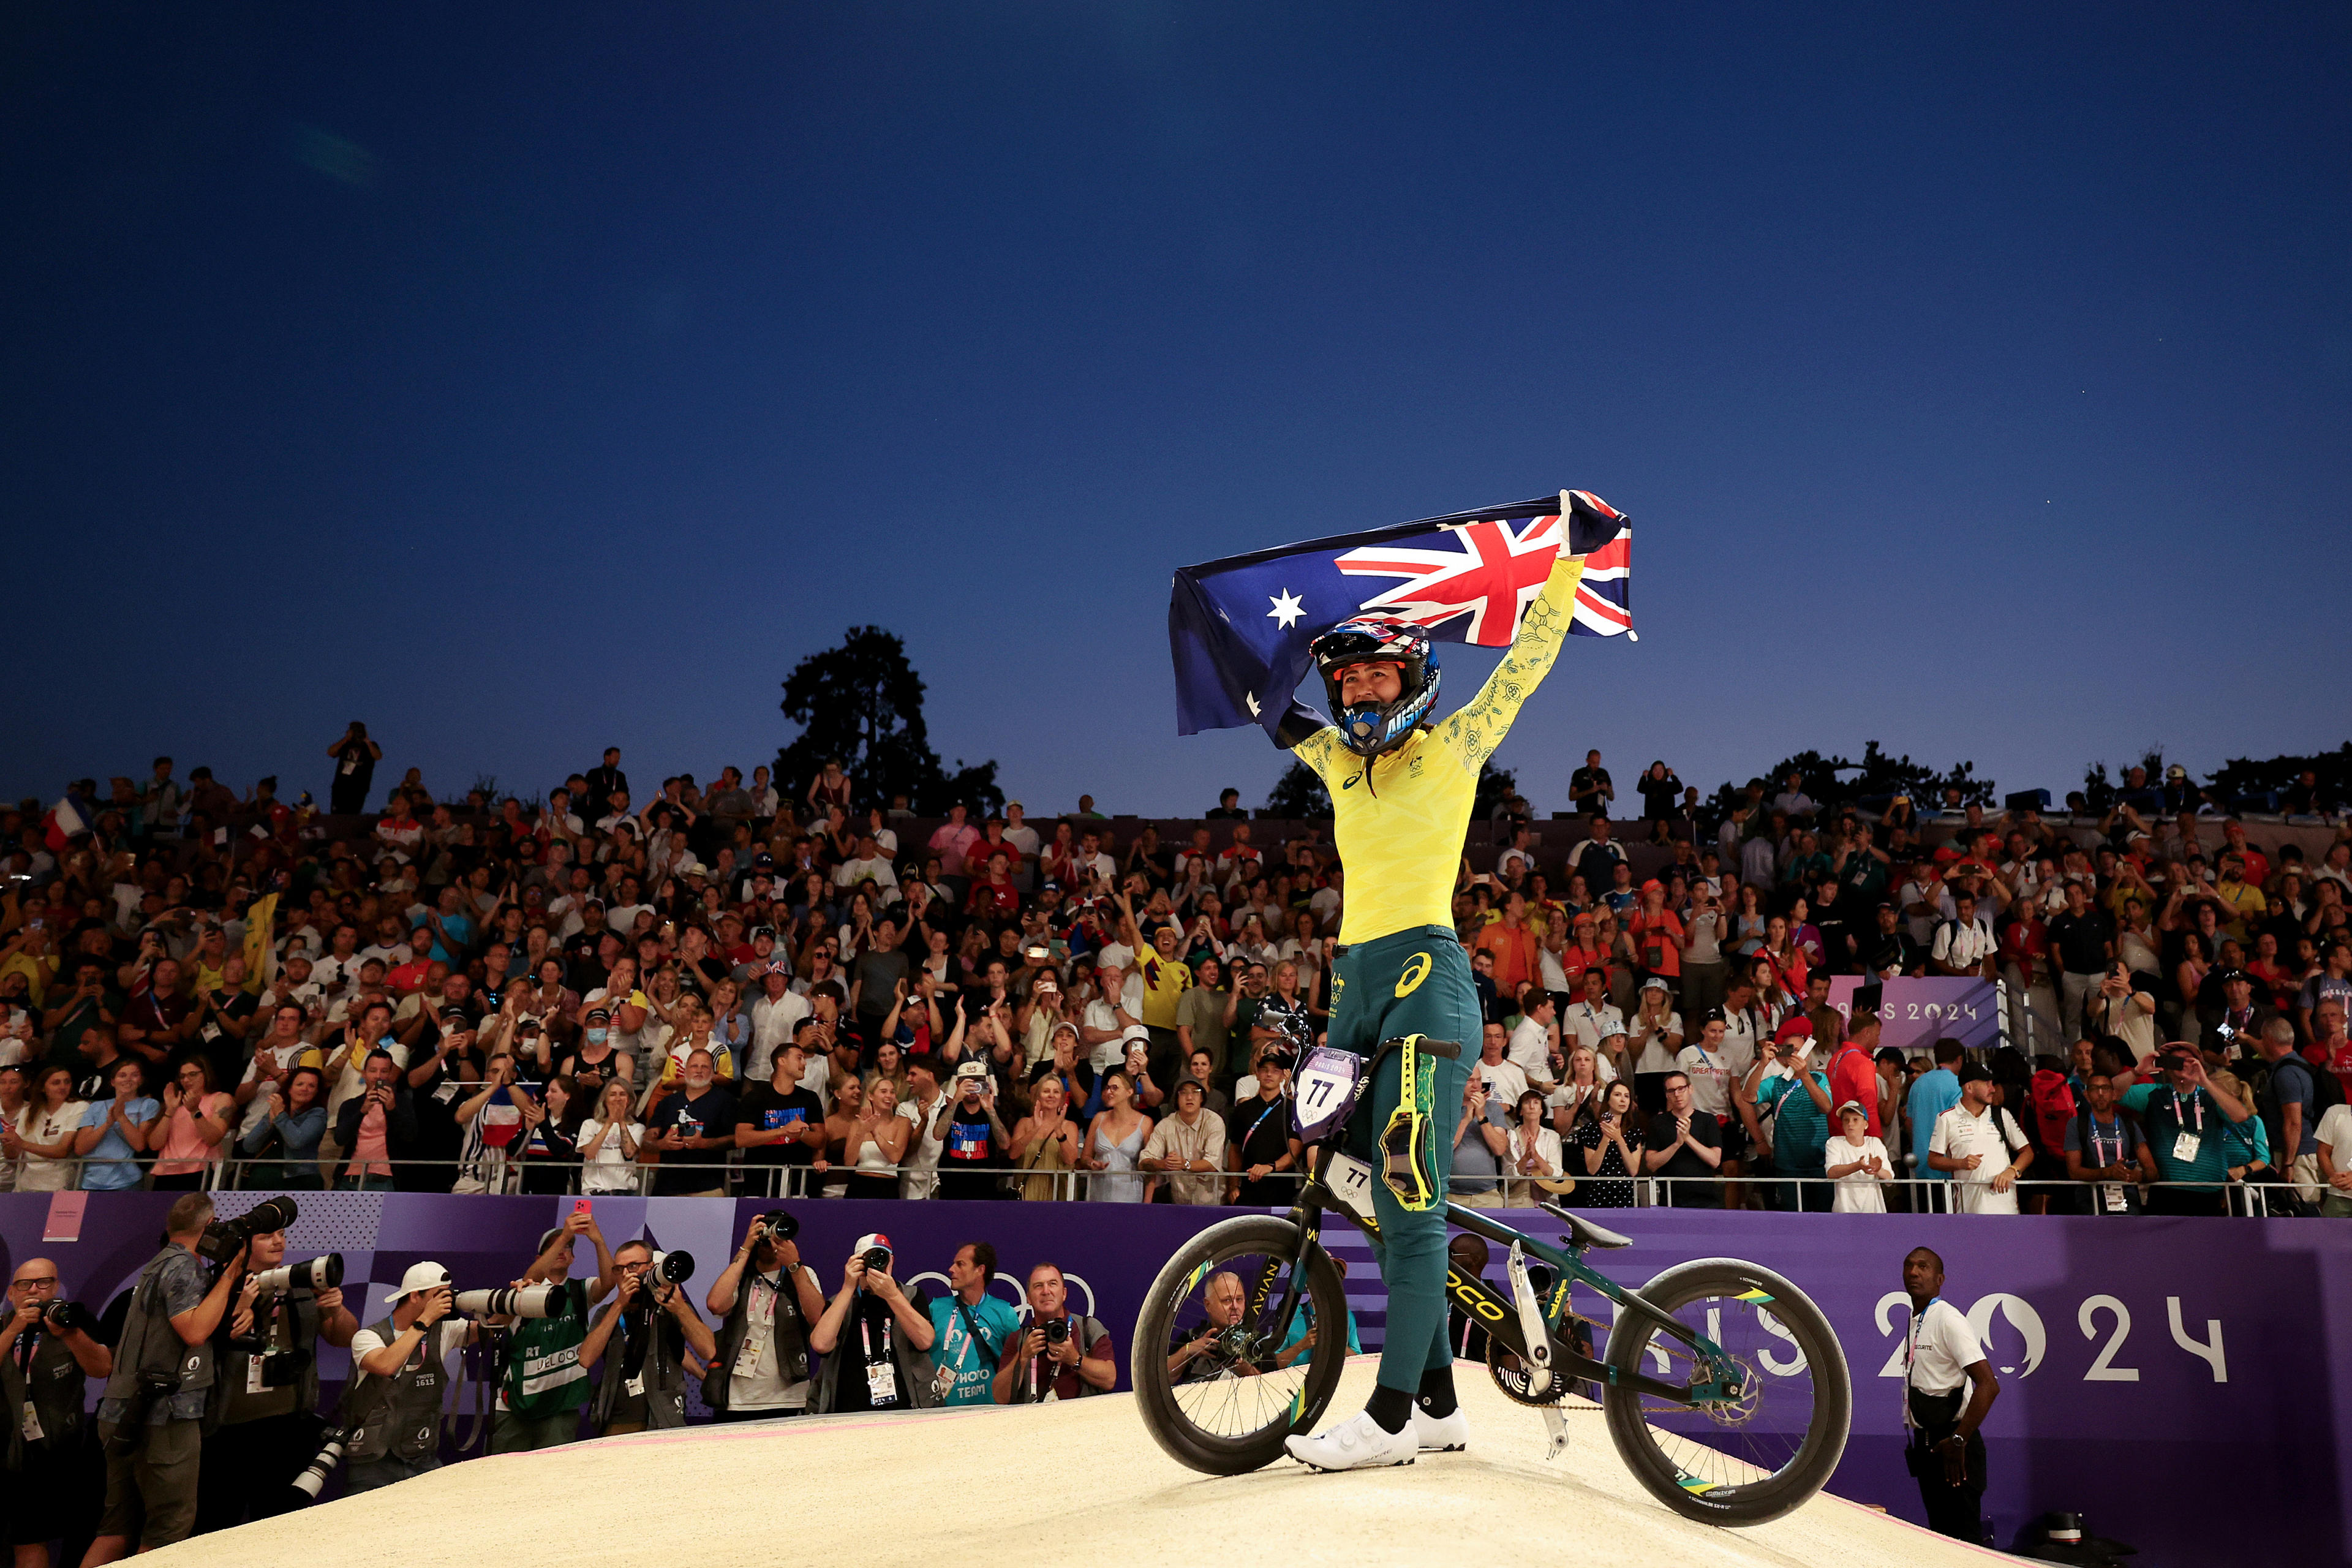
1356,1444
1441,1434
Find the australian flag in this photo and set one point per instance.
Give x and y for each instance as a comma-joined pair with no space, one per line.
1239,627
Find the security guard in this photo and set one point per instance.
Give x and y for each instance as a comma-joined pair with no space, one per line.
1402,782
265,1407
49,1464
1941,1359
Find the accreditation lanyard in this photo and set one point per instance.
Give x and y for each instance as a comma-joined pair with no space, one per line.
2196,1105
1911,1355
2098,1144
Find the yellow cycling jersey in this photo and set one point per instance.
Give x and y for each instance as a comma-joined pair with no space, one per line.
1401,838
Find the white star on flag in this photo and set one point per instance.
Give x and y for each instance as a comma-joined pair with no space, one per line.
1251,698
1287,610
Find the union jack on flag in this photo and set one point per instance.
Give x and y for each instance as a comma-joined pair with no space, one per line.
1239,627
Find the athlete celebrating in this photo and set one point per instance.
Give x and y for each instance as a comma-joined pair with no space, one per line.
1400,785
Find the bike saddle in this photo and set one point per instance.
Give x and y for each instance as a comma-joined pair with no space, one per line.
1583,1232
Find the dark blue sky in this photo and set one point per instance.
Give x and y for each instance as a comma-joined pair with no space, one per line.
1975,376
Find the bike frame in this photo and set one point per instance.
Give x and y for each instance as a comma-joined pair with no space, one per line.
1493,1311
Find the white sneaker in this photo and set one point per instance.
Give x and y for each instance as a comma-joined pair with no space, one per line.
1441,1434
1356,1444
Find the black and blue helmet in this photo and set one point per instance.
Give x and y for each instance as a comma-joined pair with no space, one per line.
1370,728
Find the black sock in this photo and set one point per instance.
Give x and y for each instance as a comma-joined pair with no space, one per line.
1392,1407
1437,1390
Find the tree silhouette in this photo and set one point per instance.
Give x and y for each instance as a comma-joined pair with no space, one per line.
862,703
1298,793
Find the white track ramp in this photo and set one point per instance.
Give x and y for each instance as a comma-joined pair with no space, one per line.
1075,1483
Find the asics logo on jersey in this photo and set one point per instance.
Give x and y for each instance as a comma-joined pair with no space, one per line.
1350,781
1416,970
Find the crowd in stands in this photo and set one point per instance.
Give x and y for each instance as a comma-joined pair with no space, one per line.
711,988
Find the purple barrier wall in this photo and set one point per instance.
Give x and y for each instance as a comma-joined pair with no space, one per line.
2185,1383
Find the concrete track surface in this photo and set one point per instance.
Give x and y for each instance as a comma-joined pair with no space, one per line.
1075,1483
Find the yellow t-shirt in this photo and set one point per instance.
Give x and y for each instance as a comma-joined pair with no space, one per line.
1401,837
1165,981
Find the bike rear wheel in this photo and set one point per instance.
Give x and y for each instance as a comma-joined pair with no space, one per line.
1750,1459
1226,1411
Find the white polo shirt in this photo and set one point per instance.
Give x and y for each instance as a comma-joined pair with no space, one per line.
1995,1136
1589,1023
1938,1350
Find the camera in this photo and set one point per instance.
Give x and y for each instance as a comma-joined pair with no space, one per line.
776,1225
877,1258
319,1274
1037,953
671,1268
1056,1329
64,1317
511,1301
222,1238
130,1430
313,1478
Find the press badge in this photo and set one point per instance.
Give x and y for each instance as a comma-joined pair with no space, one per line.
31,1425
2184,1147
2111,1198
634,1388
882,1383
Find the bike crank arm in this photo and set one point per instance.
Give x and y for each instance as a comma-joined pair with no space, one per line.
1533,1331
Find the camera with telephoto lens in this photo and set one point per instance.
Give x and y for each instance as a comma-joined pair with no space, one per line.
776,1225
511,1301
877,1258
319,1274
64,1317
313,1478
1056,1329
671,1268
222,1238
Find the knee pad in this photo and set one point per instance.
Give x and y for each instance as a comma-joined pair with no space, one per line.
1407,1164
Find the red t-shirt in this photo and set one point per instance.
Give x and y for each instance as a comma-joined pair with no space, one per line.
1851,1077
1658,942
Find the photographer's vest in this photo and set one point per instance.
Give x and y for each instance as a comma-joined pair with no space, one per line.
915,1373
149,1346
662,1379
286,1328
787,1346
542,1375
43,1395
403,1411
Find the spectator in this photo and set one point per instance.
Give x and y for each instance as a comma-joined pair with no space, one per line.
2336,1162
1932,1093
293,1122
1964,945
1857,1162
2288,1094
655,1327
971,1329
1534,1151
2103,1149
1060,1356
925,1099
1258,1144
690,1129
194,1124
1661,793
1589,789
378,1127
609,1139
1799,1120
115,1131
2082,941
1498,1074
1684,1149
1983,1147
972,1136
768,1303
1609,1131
1654,1037
41,1140
1187,1148
2182,1118
1511,944
884,1339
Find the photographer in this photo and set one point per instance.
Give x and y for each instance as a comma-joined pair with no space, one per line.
1205,1354
49,1464
644,1388
883,1341
264,1402
1060,1357
152,1417
762,1369
397,1422
542,1387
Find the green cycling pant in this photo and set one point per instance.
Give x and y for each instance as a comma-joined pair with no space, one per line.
1412,983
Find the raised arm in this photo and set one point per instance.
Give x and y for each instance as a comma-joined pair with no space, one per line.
1478,728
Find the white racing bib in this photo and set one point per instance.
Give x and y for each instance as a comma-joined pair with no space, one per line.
1351,1181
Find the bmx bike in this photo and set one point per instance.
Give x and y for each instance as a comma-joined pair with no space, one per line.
1724,1389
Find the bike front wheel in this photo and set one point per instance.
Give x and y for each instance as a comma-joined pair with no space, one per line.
1741,1460
1221,1374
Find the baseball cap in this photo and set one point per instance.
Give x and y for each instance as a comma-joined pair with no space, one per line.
1655,983
600,1013
1852,1105
874,1238
420,1278
1975,1072
1189,1081
971,1070
1797,1028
